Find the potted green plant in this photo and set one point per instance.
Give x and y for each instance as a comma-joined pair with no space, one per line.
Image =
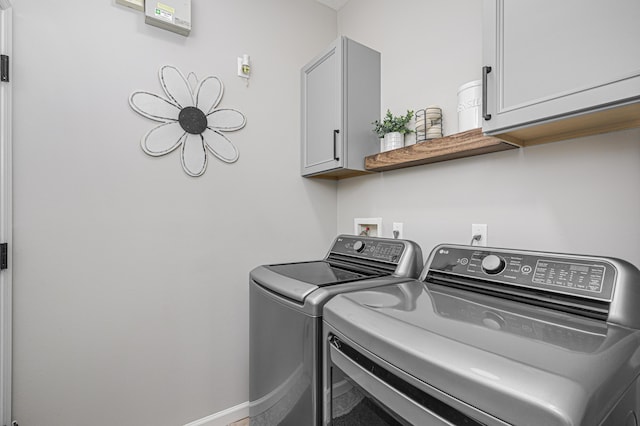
392,130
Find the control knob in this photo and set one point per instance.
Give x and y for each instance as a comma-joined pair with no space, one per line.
358,246
493,264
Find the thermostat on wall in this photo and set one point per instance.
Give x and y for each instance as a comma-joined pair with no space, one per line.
172,15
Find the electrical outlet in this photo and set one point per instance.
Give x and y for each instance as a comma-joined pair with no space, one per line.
244,68
397,230
367,226
479,229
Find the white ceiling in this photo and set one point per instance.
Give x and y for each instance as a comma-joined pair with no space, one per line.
334,4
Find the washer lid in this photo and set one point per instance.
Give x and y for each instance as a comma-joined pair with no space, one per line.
296,281
320,273
518,363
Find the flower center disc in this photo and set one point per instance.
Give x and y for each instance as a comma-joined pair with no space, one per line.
192,120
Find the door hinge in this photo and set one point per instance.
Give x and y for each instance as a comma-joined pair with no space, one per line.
4,68
4,252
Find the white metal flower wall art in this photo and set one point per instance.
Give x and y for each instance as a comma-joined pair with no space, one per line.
189,119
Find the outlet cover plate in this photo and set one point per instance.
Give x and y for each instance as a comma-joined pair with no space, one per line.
479,229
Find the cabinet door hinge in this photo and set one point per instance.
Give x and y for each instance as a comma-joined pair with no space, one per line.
4,251
4,68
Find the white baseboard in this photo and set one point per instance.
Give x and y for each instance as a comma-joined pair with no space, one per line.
224,417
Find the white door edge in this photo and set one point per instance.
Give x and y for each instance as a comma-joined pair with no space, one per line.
6,24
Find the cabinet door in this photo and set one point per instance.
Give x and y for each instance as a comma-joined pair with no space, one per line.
321,112
552,59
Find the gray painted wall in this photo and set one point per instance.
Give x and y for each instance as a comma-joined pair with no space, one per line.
130,277
580,196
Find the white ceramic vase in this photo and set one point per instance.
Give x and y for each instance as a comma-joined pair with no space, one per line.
393,140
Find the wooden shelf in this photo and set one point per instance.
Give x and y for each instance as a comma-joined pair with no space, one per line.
459,145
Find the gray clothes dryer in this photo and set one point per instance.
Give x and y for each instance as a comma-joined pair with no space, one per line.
492,337
286,303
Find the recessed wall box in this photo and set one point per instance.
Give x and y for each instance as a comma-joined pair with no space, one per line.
172,15
367,227
134,4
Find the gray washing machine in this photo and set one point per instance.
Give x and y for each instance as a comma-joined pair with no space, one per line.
489,336
286,303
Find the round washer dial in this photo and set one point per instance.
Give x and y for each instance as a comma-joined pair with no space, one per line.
493,264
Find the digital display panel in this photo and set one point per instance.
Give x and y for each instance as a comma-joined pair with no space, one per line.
387,251
569,275
579,268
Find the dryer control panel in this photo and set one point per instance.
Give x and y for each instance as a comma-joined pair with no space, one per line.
587,277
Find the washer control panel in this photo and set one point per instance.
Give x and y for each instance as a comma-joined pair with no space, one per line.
377,249
585,276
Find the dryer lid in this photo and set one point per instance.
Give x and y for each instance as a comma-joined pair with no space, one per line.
519,363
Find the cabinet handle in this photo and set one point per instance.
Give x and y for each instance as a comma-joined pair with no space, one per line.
485,70
335,148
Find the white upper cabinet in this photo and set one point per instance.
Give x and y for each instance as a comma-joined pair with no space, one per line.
560,68
340,100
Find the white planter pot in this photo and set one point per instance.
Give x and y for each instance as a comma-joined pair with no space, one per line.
391,141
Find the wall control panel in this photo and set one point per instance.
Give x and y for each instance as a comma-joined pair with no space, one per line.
134,4
584,276
171,15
